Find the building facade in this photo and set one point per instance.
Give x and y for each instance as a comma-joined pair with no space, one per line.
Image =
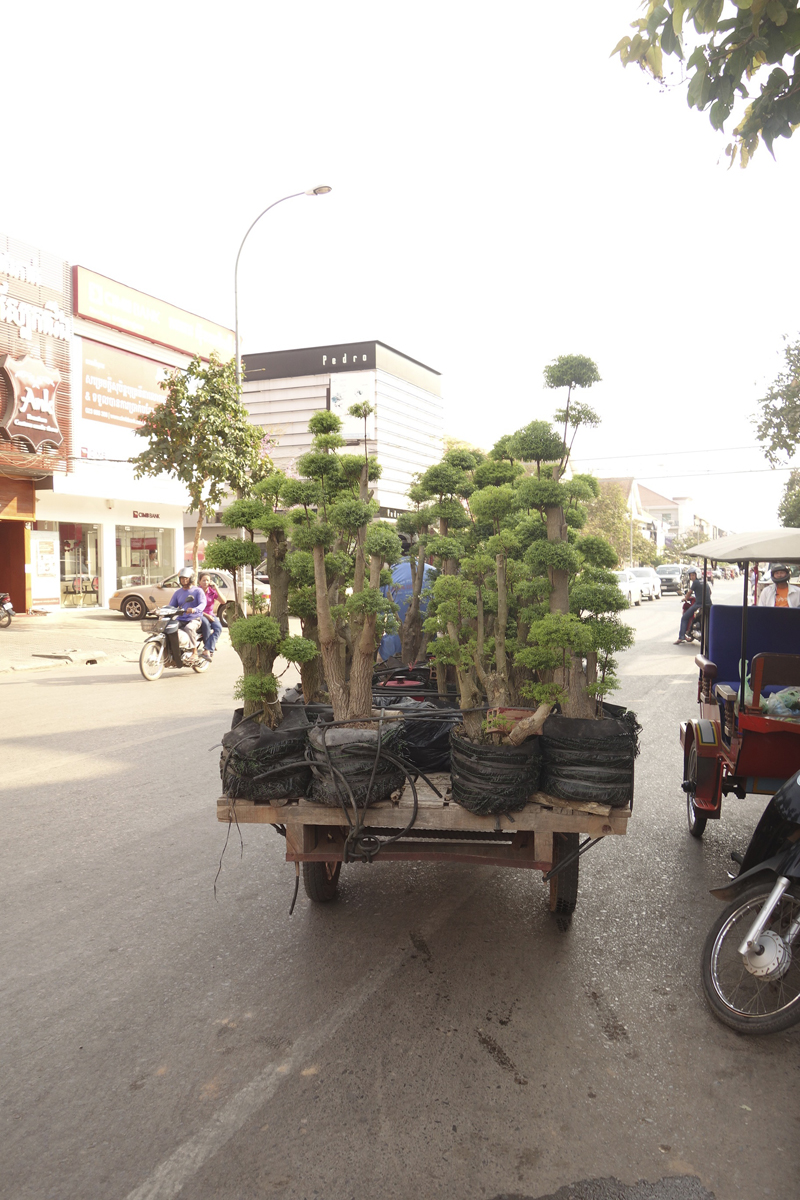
75,523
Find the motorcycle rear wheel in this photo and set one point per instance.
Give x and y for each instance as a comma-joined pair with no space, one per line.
5,619
201,665
740,1000
151,661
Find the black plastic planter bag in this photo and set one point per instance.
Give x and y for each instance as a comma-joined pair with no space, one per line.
590,760
427,743
493,779
251,749
355,764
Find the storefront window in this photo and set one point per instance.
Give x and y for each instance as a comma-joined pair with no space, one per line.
79,560
143,555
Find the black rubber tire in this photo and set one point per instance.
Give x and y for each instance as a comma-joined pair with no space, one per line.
724,972
321,881
5,619
564,885
201,666
225,613
697,821
134,608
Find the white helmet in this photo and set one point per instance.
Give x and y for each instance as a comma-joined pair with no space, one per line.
186,573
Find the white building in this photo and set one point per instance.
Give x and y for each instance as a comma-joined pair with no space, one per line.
282,389
76,523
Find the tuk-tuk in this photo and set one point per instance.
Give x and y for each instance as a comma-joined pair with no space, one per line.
734,746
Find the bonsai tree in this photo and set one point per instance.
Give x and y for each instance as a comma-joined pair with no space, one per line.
533,612
231,554
258,641
335,525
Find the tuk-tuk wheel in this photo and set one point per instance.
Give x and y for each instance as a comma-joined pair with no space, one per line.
697,822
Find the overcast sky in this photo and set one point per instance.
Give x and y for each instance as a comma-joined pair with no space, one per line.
504,192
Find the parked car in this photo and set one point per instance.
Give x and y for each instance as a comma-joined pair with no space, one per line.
649,582
629,585
670,576
134,601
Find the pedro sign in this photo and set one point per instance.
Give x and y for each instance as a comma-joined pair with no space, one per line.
109,303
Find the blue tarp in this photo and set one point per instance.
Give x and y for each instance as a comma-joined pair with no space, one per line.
400,592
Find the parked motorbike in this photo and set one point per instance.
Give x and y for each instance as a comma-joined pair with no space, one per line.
751,958
167,645
6,610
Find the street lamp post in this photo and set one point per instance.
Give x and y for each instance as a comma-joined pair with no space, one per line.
316,191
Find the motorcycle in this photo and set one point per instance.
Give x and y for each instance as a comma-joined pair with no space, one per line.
6,610
750,962
167,645
693,632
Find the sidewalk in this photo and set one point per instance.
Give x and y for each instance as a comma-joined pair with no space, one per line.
71,636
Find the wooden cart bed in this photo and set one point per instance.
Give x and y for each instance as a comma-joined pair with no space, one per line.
443,830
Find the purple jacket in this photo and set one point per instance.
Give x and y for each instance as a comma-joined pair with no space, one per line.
193,598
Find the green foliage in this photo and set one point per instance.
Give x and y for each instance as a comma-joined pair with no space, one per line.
538,493
323,422
537,443
559,556
272,522
380,539
200,435
300,565
304,492
244,514
257,602
228,554
256,631
491,505
778,428
319,465
256,689
349,514
789,507
733,43
596,591
571,371
298,649
495,472
597,551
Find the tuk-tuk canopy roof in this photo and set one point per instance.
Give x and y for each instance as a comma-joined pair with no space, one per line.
770,545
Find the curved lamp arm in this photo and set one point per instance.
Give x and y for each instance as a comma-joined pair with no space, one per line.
317,191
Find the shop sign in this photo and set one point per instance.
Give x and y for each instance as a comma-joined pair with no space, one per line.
33,318
118,388
30,389
140,516
100,299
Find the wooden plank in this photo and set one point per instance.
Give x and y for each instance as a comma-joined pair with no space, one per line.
480,854
432,814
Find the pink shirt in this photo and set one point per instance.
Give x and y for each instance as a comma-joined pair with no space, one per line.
212,595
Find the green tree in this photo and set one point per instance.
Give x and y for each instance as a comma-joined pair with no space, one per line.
778,428
789,507
727,44
610,518
572,371
201,436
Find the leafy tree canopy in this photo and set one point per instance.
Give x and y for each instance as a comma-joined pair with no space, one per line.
789,507
778,428
730,47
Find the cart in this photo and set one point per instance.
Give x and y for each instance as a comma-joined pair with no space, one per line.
543,836
731,747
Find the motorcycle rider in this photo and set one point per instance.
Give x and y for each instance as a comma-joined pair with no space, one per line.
696,590
780,593
192,600
210,627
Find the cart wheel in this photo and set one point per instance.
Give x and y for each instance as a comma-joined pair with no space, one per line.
697,821
564,885
321,880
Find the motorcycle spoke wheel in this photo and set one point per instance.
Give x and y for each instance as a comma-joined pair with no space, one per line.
697,821
151,661
5,619
743,1001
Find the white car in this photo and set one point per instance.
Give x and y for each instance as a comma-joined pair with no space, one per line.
629,585
649,582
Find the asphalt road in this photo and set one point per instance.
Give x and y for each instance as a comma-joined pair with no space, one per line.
431,1034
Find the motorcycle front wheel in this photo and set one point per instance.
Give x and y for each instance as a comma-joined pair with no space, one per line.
201,665
744,1001
151,661
5,618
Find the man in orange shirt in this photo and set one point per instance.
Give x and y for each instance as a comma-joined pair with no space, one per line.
780,593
